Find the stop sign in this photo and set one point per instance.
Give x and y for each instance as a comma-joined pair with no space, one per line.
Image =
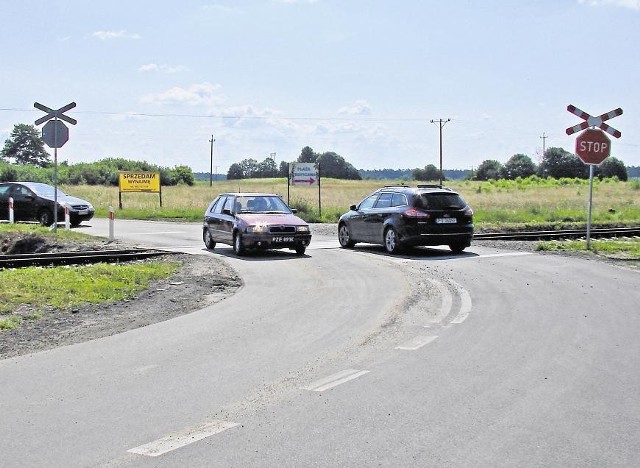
55,133
593,146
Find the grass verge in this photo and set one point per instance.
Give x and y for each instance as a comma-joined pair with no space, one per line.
26,293
616,249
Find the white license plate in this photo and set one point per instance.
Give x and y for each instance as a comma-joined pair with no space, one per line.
277,239
83,212
446,220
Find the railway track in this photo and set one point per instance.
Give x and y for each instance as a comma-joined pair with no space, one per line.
559,234
75,258
96,256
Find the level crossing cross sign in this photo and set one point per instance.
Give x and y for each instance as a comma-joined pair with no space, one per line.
591,121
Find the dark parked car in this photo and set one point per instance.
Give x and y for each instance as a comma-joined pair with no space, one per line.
403,216
34,201
254,221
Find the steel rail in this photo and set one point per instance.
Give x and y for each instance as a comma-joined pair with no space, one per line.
75,258
559,234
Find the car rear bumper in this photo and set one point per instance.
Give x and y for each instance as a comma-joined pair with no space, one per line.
461,235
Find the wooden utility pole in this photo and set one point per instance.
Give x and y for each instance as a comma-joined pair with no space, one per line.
441,123
212,141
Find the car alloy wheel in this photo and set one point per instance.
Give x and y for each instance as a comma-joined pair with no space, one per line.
344,237
391,242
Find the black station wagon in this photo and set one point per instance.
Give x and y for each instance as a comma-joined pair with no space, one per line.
404,216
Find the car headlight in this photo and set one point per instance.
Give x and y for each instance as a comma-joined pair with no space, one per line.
258,228
302,228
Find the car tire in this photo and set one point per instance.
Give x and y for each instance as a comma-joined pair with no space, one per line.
391,241
208,239
457,247
238,247
344,237
300,250
45,217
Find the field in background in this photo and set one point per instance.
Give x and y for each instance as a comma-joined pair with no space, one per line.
495,203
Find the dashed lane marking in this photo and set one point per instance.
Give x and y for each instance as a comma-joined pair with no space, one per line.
335,380
180,439
416,343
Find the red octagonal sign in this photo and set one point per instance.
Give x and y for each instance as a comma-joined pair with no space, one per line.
593,146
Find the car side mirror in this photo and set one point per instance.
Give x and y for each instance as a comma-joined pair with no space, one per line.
227,211
353,208
294,210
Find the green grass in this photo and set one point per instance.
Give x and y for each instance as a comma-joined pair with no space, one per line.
622,249
64,288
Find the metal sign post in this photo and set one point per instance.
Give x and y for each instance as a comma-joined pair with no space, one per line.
592,146
55,134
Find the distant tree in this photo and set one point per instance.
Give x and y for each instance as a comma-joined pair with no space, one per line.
519,165
558,163
333,165
235,172
284,169
612,167
307,155
25,146
429,173
249,168
267,168
489,169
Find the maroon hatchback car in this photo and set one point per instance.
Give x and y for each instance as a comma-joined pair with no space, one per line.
252,221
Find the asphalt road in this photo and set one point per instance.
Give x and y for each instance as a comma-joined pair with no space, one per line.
349,358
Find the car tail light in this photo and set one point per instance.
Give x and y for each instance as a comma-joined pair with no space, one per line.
468,211
413,213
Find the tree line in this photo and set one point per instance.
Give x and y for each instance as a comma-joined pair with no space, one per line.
23,157
556,163
331,165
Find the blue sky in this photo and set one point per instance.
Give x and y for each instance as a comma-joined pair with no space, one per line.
154,80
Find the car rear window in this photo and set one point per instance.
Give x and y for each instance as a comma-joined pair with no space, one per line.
440,201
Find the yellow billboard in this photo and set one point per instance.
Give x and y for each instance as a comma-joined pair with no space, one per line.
139,182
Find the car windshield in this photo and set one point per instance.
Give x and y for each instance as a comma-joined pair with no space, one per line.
440,201
261,204
45,190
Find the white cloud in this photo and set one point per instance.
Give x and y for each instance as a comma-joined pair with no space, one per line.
154,67
107,35
359,107
632,4
196,94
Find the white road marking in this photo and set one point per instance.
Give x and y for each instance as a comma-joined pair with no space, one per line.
159,232
180,439
465,303
447,299
416,343
335,380
506,254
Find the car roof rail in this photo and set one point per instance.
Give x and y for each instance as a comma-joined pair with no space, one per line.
434,186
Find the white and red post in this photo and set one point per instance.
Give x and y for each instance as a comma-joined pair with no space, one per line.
11,218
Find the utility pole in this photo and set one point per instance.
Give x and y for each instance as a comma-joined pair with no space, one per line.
212,141
441,123
543,138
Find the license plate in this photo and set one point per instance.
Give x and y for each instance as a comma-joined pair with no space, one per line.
446,220
83,212
277,239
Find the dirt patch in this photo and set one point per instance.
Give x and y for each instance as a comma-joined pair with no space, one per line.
201,280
